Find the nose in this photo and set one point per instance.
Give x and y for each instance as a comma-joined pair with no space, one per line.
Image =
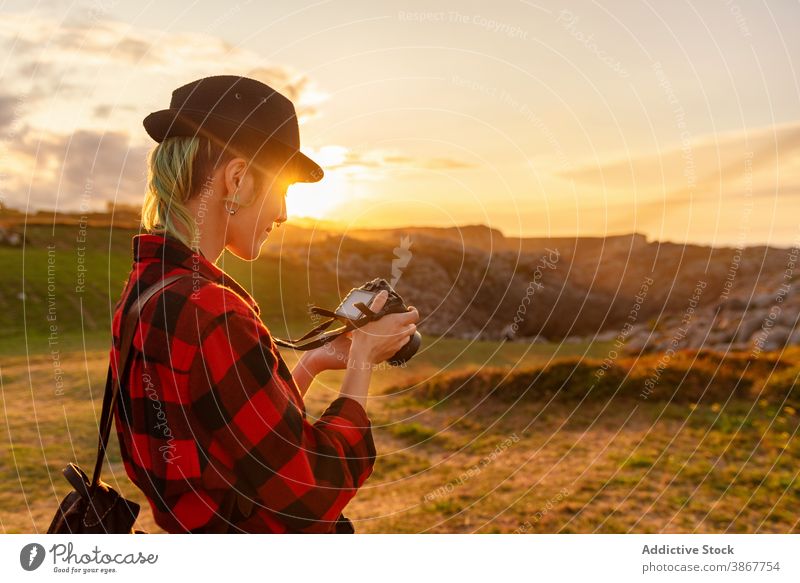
282,217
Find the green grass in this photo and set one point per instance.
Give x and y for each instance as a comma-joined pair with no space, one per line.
704,458
64,299
413,432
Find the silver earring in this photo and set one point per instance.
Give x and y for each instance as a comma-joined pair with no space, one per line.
231,211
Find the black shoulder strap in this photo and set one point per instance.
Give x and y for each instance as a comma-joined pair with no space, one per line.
127,330
317,336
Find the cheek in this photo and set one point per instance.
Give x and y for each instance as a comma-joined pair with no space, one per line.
258,219
274,203
244,231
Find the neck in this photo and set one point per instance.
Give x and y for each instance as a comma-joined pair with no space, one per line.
210,233
211,247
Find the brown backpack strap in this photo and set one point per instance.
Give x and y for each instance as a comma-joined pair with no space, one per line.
127,330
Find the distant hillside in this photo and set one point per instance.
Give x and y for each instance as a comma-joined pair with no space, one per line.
472,281
475,283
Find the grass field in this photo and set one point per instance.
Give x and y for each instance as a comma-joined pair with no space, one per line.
471,436
493,445
70,279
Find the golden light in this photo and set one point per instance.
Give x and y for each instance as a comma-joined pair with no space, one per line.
316,200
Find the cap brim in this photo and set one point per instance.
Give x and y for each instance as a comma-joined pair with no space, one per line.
168,123
307,170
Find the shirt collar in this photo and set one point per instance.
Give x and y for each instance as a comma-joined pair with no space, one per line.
174,253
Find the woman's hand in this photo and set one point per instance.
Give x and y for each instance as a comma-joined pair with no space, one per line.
380,340
332,355
374,343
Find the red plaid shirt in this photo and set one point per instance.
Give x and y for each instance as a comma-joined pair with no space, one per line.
210,409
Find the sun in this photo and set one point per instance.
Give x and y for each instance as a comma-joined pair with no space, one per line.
318,199
315,200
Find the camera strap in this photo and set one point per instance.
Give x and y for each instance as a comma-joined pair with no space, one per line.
317,336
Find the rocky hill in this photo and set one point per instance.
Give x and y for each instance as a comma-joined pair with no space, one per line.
473,282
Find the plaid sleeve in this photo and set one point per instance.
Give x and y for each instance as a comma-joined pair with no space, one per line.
255,425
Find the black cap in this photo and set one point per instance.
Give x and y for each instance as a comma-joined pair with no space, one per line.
236,111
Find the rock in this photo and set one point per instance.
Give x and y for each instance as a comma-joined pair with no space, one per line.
770,339
638,342
607,336
719,337
762,300
751,321
719,347
780,335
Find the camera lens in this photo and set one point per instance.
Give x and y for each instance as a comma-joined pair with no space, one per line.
408,350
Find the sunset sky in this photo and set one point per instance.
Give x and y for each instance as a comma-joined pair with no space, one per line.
678,120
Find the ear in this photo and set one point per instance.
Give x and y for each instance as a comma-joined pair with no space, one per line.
235,171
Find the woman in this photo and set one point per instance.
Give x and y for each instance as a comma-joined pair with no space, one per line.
211,422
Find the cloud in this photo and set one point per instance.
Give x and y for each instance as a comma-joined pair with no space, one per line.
82,64
296,86
376,159
82,170
732,165
8,113
446,164
77,91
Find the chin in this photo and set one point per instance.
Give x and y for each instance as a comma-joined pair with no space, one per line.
247,254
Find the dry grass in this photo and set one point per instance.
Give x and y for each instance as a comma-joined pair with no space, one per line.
492,451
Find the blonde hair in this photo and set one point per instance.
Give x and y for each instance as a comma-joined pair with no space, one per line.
178,169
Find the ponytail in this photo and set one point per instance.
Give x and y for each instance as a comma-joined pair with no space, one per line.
180,168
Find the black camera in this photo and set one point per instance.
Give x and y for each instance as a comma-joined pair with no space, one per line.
355,312
355,306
